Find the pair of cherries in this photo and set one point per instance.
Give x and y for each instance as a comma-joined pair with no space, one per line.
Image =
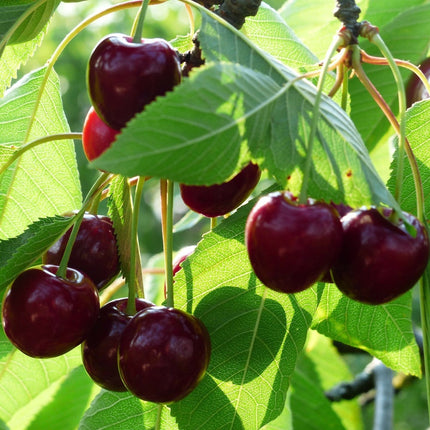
370,255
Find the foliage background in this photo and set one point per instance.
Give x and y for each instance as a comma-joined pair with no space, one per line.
162,21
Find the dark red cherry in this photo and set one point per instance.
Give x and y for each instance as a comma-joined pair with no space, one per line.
46,316
379,260
123,77
220,199
290,245
100,348
94,251
163,354
96,135
415,89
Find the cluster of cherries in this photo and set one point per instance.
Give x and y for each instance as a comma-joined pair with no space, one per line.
159,354
371,254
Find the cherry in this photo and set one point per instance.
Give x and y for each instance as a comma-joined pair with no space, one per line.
379,260
163,354
96,135
220,199
290,245
46,316
94,251
99,349
123,77
415,90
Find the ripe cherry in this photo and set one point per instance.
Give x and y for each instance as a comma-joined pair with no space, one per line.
163,354
220,199
123,76
379,260
96,135
46,316
290,245
94,251
415,89
100,348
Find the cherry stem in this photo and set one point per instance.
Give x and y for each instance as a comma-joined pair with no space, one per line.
378,41
213,222
134,249
358,69
138,26
30,145
336,43
94,191
345,93
190,18
382,61
60,48
166,191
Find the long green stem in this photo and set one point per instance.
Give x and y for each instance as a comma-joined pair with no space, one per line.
337,42
94,191
132,288
34,143
378,41
166,189
138,28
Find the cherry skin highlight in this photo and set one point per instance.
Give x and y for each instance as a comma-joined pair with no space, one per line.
290,245
123,76
47,316
94,252
379,260
163,354
96,135
100,348
220,199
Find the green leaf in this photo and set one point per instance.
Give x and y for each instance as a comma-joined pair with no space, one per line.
123,411
385,331
319,369
257,334
230,112
22,20
15,56
44,181
27,384
418,134
18,253
120,211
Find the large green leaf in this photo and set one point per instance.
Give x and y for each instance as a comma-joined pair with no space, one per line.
240,109
22,20
257,334
27,384
44,181
385,331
